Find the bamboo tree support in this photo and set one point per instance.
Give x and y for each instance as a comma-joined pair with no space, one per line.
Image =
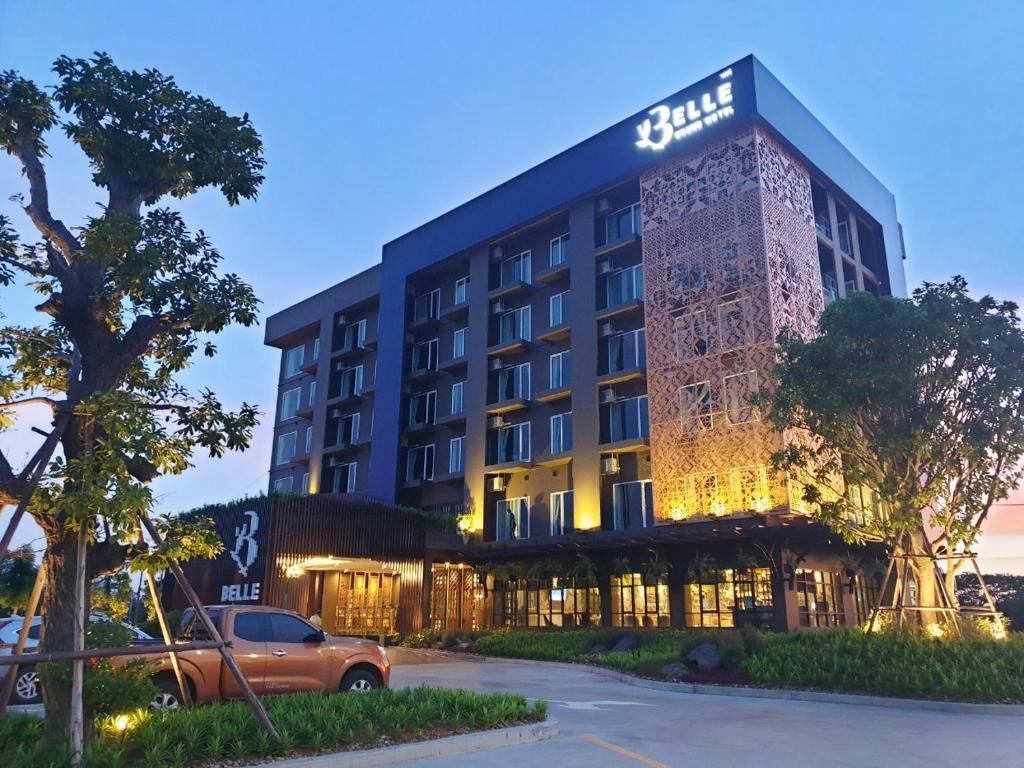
78,645
214,634
165,630
19,648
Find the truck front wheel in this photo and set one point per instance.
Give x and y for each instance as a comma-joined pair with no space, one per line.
359,681
168,695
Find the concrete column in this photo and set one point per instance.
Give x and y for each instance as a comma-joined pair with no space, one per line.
586,470
475,393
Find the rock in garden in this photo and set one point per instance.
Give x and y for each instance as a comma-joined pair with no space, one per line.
704,656
598,650
674,671
624,644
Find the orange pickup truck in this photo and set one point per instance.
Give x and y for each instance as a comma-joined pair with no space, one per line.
277,650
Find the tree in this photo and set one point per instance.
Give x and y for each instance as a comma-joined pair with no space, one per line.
17,575
127,299
912,417
112,595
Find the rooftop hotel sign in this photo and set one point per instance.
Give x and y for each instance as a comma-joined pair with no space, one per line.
667,123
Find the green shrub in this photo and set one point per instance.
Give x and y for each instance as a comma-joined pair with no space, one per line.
228,732
893,665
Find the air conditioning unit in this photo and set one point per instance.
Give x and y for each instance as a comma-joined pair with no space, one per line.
497,422
610,465
498,252
607,328
497,364
604,266
497,307
602,205
496,484
608,395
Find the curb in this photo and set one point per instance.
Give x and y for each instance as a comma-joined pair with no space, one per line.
449,746
779,694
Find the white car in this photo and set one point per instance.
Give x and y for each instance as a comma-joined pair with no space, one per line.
26,687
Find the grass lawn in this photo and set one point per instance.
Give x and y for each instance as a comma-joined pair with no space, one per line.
308,723
845,661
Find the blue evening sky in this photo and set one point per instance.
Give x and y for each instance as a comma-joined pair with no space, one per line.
378,117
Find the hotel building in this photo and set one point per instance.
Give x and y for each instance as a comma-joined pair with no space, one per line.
564,363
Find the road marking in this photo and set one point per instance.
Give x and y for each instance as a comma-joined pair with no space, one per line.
595,705
624,752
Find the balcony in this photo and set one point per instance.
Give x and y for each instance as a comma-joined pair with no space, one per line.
554,459
509,467
423,374
508,289
553,394
419,426
555,333
456,312
553,274
345,446
624,308
513,346
451,419
310,367
343,398
639,444
632,373
507,406
454,364
619,245
348,352
450,477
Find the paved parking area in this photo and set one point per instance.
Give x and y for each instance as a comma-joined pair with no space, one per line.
605,722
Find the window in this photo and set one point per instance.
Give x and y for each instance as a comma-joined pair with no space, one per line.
818,599
312,393
514,443
422,408
462,290
619,225
559,309
420,463
460,343
309,439
625,419
513,520
561,512
633,504
559,370
865,595
514,382
350,382
687,275
424,356
729,597
289,404
316,348
289,629
305,483
693,336
638,602
455,455
739,388
561,433
554,602
293,360
695,407
624,285
342,478
283,485
733,325
251,626
355,335
286,447
458,401
731,277
625,351
427,306
516,268
559,250
514,324
347,430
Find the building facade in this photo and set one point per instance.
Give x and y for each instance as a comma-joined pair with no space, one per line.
564,365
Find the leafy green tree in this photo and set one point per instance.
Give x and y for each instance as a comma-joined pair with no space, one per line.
112,595
912,417
17,575
126,300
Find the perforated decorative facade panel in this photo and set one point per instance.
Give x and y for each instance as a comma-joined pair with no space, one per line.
730,259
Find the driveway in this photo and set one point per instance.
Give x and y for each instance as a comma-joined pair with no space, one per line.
605,722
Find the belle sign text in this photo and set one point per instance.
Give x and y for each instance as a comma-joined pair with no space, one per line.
666,123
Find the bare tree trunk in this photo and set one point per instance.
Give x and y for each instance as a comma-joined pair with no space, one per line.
925,574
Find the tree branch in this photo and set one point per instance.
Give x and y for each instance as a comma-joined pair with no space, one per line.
28,400
39,208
